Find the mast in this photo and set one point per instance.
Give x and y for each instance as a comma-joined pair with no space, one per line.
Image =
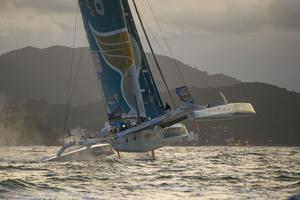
152,52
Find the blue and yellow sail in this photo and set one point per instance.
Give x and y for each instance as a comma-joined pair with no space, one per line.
127,83
113,57
151,97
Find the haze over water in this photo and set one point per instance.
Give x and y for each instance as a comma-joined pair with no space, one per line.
178,173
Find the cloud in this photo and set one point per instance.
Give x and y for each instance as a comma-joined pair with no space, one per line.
38,6
248,39
223,17
37,23
210,17
285,14
198,16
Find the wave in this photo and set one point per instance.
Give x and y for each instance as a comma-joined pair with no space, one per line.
201,178
22,167
286,178
12,184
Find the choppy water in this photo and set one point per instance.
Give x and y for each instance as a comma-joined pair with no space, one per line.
178,173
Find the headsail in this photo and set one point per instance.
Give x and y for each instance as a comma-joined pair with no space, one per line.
151,97
113,57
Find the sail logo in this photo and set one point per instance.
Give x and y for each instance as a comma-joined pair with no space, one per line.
99,7
116,51
115,47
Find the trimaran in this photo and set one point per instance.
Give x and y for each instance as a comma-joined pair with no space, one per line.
138,120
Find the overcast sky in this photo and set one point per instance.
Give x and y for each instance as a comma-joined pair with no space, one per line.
252,40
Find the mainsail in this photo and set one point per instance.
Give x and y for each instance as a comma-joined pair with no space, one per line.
112,53
128,85
151,97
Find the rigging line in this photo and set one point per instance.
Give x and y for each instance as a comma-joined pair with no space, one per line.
159,45
152,51
157,42
67,109
167,44
149,91
77,70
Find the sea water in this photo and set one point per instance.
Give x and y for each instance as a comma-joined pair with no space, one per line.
177,173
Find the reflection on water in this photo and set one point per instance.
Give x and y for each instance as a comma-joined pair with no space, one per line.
178,173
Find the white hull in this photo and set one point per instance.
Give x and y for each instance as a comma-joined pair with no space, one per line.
92,152
150,139
223,112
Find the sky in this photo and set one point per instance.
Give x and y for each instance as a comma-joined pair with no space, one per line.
252,40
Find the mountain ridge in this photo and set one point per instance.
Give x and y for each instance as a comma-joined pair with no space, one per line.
33,88
33,72
275,121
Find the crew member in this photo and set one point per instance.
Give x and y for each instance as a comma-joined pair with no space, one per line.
167,107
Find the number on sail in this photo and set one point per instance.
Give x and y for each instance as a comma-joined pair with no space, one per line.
99,7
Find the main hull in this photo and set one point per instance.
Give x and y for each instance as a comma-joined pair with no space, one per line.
150,139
